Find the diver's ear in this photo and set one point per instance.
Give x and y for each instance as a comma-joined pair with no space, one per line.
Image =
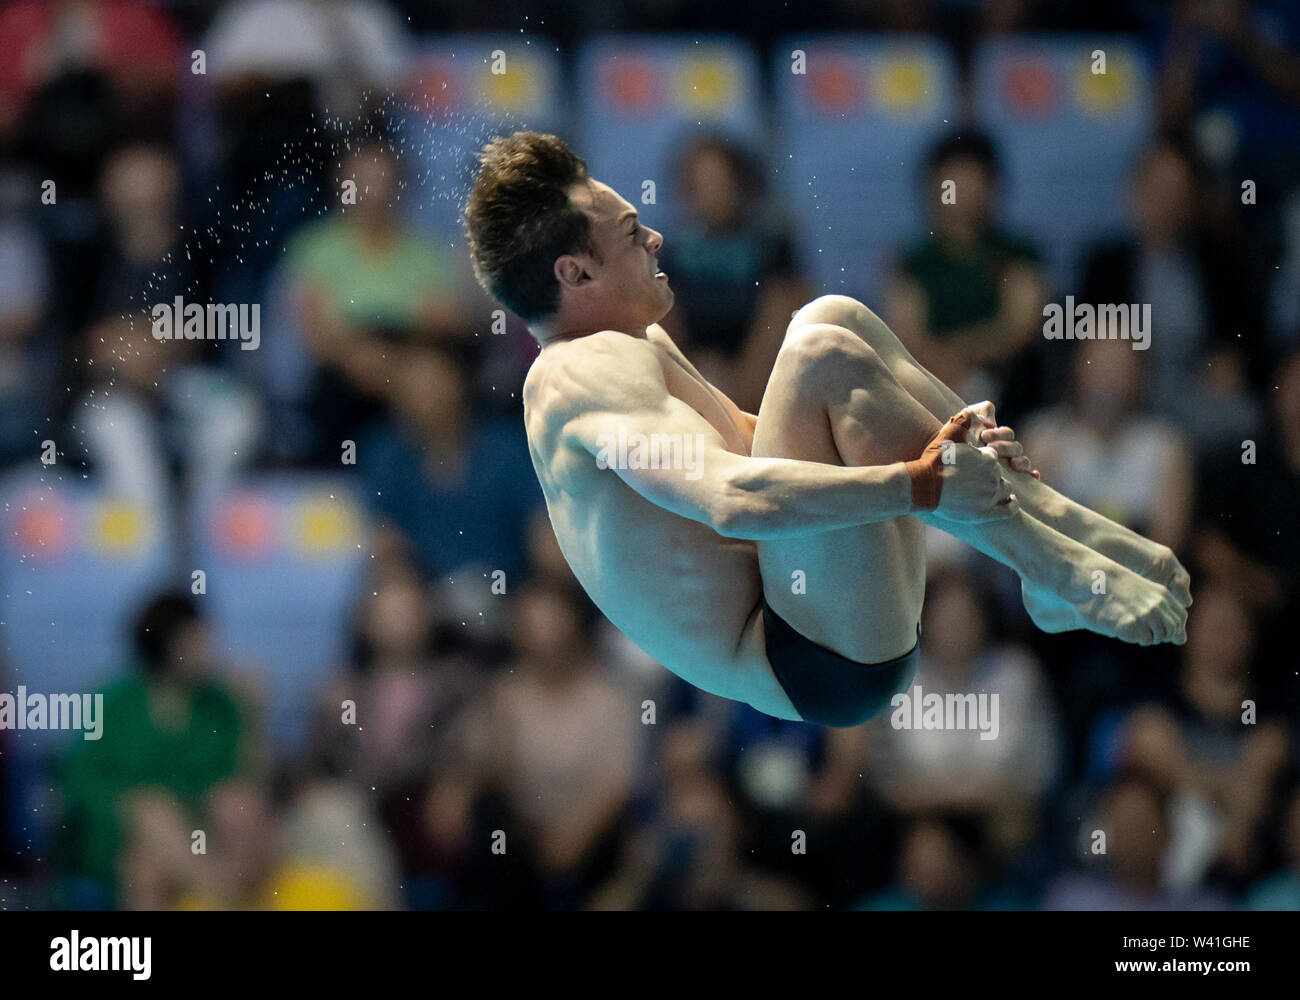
570,271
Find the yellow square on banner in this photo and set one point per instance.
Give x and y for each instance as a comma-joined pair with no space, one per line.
325,525
515,87
706,83
903,83
118,526
1104,94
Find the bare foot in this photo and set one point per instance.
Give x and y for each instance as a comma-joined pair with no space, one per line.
1047,611
1131,608
1150,559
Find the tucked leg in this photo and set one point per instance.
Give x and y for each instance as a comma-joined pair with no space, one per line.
1126,547
833,398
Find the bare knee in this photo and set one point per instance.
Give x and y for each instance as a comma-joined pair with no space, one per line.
827,349
848,312
838,310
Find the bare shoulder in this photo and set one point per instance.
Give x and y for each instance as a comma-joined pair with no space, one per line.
599,371
657,335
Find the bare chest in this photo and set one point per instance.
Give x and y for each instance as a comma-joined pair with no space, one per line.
703,399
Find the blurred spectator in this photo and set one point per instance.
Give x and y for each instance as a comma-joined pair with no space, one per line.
411,697
1249,495
1203,313
128,44
244,842
171,727
29,357
1231,70
566,744
363,269
731,263
997,776
335,854
1097,448
1218,764
1126,875
357,282
941,868
459,486
689,856
291,76
142,260
154,425
788,776
345,48
77,76
257,857
441,830
967,300
157,864
1281,890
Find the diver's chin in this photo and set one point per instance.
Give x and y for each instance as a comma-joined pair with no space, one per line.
664,308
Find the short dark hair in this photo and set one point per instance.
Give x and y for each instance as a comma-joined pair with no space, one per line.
157,627
744,170
971,146
519,219
1182,146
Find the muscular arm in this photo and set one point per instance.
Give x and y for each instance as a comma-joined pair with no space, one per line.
611,388
593,399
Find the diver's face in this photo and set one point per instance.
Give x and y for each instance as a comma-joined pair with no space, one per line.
625,285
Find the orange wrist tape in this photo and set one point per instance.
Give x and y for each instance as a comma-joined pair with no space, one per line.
925,472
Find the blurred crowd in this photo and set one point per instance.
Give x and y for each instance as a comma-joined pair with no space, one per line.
542,761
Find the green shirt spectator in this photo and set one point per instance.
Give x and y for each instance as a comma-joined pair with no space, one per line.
195,745
170,728
961,285
365,283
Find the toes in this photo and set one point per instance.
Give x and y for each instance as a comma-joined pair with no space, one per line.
1163,621
1177,579
1180,585
1176,625
1140,632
